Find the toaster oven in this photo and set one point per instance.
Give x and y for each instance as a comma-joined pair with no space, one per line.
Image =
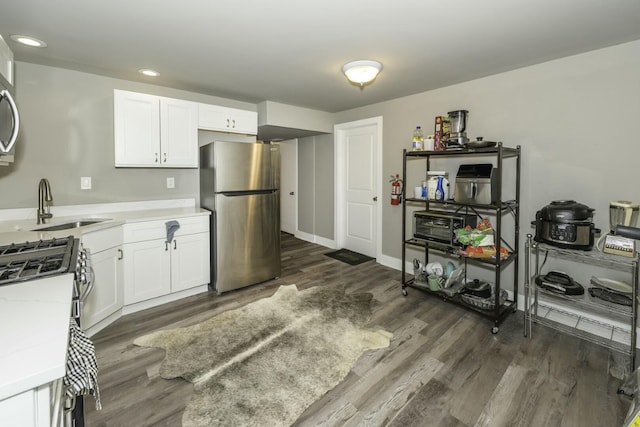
440,226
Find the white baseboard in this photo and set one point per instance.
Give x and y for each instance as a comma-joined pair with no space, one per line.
143,305
312,238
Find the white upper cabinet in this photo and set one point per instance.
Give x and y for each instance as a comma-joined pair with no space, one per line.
154,131
224,119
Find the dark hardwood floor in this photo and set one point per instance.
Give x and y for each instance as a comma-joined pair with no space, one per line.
443,367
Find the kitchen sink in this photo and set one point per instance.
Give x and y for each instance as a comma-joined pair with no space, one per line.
70,225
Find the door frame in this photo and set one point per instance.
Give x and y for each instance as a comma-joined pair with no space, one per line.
339,214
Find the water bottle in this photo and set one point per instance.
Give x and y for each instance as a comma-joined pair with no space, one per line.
440,190
418,139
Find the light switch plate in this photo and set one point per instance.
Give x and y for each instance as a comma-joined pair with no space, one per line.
171,182
85,183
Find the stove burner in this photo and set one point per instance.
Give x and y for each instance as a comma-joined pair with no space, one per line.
30,260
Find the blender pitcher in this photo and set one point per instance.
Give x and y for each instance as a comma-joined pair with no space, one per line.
623,212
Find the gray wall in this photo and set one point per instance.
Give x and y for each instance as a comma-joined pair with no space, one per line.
306,177
315,186
67,132
324,185
576,119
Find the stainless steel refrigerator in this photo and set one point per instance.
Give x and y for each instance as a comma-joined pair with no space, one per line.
239,184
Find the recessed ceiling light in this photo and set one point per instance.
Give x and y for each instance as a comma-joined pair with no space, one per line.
28,41
150,73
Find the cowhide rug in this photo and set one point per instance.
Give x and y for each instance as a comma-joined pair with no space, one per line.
263,364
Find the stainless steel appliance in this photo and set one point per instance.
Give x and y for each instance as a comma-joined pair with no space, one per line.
9,121
566,224
457,138
476,184
623,213
239,184
440,226
25,261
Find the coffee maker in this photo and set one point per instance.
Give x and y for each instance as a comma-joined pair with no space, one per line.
457,138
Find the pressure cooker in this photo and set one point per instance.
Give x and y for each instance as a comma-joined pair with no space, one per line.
566,224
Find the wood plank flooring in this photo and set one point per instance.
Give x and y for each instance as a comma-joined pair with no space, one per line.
443,367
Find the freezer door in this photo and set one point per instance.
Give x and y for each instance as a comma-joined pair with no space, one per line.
242,166
246,240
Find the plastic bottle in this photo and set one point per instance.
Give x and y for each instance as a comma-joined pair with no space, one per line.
440,189
418,139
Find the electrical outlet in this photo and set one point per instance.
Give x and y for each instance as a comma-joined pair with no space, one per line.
171,182
85,183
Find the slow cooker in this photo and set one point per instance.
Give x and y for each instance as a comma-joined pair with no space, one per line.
566,224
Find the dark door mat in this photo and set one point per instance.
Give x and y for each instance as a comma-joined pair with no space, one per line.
350,257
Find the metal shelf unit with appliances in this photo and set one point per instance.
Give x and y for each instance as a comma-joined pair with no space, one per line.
563,312
500,308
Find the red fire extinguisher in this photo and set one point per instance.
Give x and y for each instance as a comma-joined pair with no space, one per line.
396,189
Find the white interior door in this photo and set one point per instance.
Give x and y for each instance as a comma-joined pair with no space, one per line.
357,185
289,186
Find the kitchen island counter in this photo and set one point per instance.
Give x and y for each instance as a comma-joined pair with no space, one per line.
34,329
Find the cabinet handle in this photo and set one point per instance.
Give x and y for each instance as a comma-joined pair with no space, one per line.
165,157
234,124
121,254
375,199
166,245
175,244
156,154
227,122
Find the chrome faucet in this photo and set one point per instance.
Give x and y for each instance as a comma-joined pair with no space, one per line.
44,195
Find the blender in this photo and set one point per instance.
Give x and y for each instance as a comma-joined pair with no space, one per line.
623,213
457,137
623,217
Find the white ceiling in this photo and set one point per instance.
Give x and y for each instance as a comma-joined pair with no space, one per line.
291,51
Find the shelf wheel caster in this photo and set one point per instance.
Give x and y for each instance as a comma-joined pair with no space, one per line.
404,292
494,330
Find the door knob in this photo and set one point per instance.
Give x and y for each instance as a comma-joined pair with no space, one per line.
375,199
291,193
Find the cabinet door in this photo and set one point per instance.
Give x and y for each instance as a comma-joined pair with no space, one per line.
189,261
147,271
136,120
213,117
243,121
178,133
106,297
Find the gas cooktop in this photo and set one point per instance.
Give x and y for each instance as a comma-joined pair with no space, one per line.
32,260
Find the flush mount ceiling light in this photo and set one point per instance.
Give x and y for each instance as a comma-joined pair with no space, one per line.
28,41
361,72
150,73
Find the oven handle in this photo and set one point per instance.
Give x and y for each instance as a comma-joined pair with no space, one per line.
89,288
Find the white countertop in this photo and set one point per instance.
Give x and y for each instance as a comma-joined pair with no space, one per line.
22,230
34,328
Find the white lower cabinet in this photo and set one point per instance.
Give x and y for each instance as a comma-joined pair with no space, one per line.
154,267
106,298
147,270
38,407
